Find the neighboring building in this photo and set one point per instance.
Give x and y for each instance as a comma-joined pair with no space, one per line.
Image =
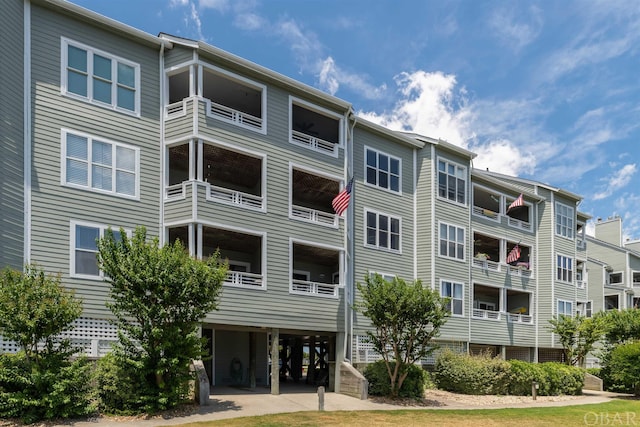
107,126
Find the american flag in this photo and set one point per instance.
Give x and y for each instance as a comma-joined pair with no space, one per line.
516,203
514,255
340,203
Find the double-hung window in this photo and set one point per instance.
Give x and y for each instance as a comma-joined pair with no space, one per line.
565,307
383,170
382,231
452,241
100,78
99,165
84,249
564,269
452,182
564,220
452,291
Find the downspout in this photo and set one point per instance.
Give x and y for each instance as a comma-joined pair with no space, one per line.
163,177
349,244
27,131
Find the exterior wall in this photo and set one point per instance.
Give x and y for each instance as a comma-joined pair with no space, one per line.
12,189
54,206
609,230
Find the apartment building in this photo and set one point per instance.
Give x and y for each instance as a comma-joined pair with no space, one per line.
107,126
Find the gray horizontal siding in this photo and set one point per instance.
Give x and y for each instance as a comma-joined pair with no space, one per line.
177,55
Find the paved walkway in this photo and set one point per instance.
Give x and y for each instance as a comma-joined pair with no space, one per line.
233,403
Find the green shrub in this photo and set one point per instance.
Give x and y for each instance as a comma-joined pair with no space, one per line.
380,385
594,371
623,368
467,374
523,374
56,388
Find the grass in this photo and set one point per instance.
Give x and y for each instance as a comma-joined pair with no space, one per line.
616,412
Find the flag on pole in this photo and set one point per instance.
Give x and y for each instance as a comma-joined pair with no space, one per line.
519,201
340,203
514,255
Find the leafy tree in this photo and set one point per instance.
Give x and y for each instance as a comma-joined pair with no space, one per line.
159,295
622,326
624,367
577,335
406,317
41,381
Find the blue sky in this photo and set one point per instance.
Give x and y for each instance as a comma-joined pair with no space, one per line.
546,90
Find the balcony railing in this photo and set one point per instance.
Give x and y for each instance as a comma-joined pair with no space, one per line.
314,288
519,270
313,142
244,280
519,318
175,191
486,264
235,116
486,314
312,215
225,195
518,223
487,213
177,109
580,284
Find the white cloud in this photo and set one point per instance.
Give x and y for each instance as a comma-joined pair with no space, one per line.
194,17
516,30
505,157
219,5
617,181
331,77
177,3
249,21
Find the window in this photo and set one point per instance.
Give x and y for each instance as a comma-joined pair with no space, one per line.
565,307
382,231
388,277
615,278
584,308
453,291
383,170
565,269
85,248
451,241
452,182
99,165
564,220
99,77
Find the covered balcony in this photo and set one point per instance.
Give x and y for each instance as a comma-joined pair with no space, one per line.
519,216
315,271
486,252
518,306
486,302
243,252
486,203
581,281
315,130
311,198
518,257
494,303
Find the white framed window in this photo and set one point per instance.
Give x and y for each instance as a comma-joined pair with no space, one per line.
615,278
382,170
565,307
98,164
452,241
454,292
100,77
452,181
382,231
564,266
564,220
386,276
584,308
84,249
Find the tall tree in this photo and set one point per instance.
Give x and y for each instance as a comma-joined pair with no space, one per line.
577,335
159,296
406,318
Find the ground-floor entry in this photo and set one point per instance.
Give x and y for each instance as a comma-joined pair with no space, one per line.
242,358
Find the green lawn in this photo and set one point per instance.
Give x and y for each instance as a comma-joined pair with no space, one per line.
616,412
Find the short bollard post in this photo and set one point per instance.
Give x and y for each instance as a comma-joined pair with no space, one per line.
534,389
321,398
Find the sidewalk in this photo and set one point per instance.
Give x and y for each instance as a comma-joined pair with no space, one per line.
232,403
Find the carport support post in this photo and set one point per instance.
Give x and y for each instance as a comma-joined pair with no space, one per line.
252,360
275,361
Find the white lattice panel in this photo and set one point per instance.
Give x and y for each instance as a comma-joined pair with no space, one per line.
365,353
518,353
456,347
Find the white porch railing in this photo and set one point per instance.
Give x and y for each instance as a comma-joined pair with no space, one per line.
518,223
486,264
177,109
486,314
313,142
487,213
225,195
519,270
175,191
235,116
312,215
519,318
314,288
244,280
580,284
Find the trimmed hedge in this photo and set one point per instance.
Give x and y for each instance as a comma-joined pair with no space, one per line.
379,384
467,374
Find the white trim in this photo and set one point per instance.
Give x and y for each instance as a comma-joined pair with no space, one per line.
293,241
27,153
322,111
437,242
164,175
64,132
312,171
390,156
565,302
572,271
453,283
437,182
377,246
415,212
573,221
385,276
64,43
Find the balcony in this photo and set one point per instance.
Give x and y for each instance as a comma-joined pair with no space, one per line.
318,131
495,303
316,271
518,216
243,253
486,203
311,198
